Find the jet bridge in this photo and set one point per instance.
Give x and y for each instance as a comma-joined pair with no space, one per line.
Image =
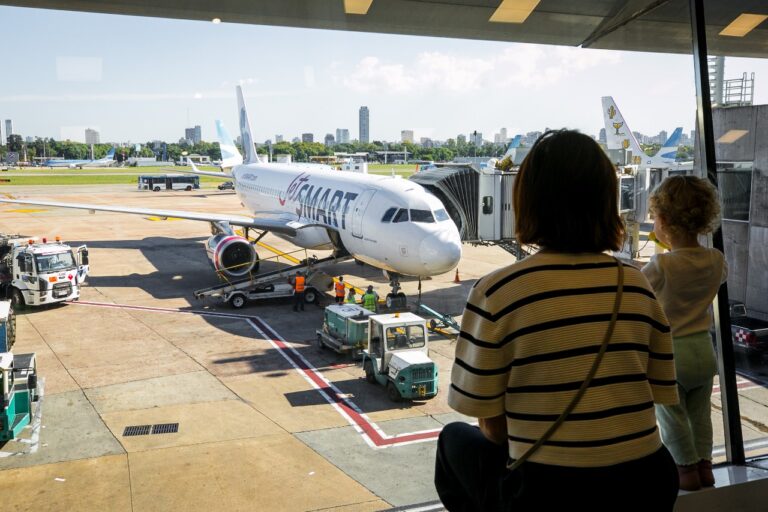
478,200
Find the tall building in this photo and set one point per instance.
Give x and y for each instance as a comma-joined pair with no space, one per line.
406,136
342,136
91,136
601,138
278,138
365,124
307,137
329,140
461,139
476,138
503,136
2,139
663,136
8,128
194,135
426,142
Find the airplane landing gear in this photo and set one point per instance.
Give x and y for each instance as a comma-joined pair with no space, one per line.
396,299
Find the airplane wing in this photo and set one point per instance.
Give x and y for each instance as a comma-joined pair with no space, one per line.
274,224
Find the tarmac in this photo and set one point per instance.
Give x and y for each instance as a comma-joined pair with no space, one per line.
266,419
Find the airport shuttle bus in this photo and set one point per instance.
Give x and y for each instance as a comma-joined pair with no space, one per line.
168,182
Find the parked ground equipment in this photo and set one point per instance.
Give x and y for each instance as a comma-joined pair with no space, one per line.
18,380
34,273
397,358
345,329
440,321
749,334
239,297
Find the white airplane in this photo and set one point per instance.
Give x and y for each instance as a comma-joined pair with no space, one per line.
389,223
107,161
619,136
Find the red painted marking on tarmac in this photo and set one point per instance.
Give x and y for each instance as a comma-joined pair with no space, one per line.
347,407
741,383
345,404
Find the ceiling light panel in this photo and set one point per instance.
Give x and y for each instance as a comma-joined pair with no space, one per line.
743,25
357,6
513,11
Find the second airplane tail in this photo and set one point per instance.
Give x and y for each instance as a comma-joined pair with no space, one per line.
251,157
230,156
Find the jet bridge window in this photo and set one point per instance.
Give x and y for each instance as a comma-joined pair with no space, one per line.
422,216
487,205
388,215
401,215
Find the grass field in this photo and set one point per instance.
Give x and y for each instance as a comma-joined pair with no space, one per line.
128,175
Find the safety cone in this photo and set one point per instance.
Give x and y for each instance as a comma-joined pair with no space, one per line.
456,277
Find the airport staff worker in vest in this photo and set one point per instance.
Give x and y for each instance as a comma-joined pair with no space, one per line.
339,289
369,299
351,299
299,284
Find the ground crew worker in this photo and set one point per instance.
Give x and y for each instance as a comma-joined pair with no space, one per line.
369,299
351,297
339,288
299,284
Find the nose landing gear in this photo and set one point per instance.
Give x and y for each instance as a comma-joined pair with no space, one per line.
396,300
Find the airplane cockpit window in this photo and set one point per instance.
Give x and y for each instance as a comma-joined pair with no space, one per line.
401,215
422,216
441,215
388,215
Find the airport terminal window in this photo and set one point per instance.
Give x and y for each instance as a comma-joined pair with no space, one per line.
422,216
735,187
401,216
388,215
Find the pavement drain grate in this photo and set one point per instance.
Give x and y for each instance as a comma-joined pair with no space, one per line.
137,430
165,428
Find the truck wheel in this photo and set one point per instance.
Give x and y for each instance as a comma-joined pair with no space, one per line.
393,393
310,296
237,300
156,189
369,375
320,344
17,300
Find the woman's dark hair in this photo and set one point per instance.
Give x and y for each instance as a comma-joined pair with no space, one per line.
565,195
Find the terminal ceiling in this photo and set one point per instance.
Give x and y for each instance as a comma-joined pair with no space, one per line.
639,25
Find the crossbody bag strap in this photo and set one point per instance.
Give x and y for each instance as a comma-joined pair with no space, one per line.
585,384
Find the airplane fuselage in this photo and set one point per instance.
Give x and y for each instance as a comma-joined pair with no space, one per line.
390,223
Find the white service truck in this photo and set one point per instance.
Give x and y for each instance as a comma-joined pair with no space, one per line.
34,273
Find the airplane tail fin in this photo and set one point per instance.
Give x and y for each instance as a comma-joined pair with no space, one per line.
617,133
514,144
230,156
668,151
251,157
110,154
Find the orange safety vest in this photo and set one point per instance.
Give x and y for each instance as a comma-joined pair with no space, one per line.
339,289
299,285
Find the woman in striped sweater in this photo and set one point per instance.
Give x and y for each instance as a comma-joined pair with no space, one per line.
529,336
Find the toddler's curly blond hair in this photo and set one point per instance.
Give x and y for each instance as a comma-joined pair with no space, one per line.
688,205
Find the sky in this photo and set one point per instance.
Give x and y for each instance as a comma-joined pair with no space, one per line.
139,79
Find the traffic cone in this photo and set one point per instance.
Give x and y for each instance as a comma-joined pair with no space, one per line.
456,277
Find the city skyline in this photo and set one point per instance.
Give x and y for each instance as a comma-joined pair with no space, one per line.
314,81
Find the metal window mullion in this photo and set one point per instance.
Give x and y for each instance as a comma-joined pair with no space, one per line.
734,441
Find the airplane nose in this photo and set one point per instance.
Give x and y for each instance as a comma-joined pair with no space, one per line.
440,252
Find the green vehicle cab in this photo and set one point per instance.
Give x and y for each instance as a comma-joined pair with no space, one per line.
397,358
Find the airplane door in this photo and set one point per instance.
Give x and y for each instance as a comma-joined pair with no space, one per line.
359,209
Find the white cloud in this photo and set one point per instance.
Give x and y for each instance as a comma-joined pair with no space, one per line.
518,65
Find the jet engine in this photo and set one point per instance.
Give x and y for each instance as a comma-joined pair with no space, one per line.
232,255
